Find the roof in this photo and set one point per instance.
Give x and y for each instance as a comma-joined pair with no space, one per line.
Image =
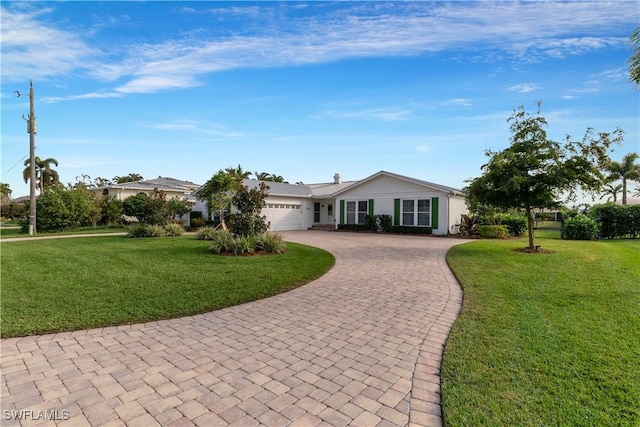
281,188
420,182
161,183
328,189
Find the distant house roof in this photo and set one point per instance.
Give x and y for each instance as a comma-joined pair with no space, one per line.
161,183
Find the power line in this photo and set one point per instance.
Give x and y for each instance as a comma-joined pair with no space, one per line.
17,163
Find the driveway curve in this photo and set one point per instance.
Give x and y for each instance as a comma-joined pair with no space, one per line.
361,345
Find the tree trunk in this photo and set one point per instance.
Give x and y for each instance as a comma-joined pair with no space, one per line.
624,191
530,227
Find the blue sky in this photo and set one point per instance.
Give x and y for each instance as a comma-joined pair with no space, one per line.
306,89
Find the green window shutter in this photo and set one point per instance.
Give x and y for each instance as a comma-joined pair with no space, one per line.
434,213
371,207
396,212
341,212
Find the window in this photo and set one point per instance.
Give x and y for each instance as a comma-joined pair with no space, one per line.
408,212
416,212
357,211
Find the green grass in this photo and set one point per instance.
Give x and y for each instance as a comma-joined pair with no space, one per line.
545,339
69,284
12,232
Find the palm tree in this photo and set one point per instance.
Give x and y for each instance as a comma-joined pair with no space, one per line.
626,170
132,177
5,193
611,190
237,173
634,60
46,177
262,176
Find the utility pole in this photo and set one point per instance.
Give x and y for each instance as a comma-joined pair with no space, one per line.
32,129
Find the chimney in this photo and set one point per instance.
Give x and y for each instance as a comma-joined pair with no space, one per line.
337,179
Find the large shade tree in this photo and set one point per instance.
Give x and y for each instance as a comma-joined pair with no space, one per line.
534,171
625,170
46,176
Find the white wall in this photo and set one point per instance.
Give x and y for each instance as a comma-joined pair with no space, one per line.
384,190
457,207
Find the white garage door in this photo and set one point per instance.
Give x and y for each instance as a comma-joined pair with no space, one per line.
283,216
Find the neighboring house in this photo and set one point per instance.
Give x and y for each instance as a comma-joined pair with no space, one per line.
172,188
407,200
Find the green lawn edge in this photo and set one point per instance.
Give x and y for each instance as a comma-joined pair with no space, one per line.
544,339
58,285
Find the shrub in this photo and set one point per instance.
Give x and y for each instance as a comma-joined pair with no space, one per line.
110,211
617,221
242,245
272,243
353,227
206,233
580,227
138,230
198,222
493,231
173,230
156,230
385,222
405,229
221,241
469,225
516,224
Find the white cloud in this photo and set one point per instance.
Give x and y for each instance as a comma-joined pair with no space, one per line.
460,102
385,115
196,127
523,87
94,95
38,49
34,50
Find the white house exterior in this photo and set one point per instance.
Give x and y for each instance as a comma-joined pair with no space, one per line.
407,200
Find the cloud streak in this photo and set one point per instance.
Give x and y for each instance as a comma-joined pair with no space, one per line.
32,47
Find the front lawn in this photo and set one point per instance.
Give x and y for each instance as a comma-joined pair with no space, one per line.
13,231
69,284
545,339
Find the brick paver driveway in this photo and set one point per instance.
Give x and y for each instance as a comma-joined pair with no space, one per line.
360,346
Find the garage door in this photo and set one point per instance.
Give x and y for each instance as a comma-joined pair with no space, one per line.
283,216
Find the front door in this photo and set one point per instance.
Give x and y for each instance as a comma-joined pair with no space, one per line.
316,212
329,213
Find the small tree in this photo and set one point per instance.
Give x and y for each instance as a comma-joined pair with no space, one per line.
110,210
179,207
534,171
218,192
249,204
156,211
135,206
